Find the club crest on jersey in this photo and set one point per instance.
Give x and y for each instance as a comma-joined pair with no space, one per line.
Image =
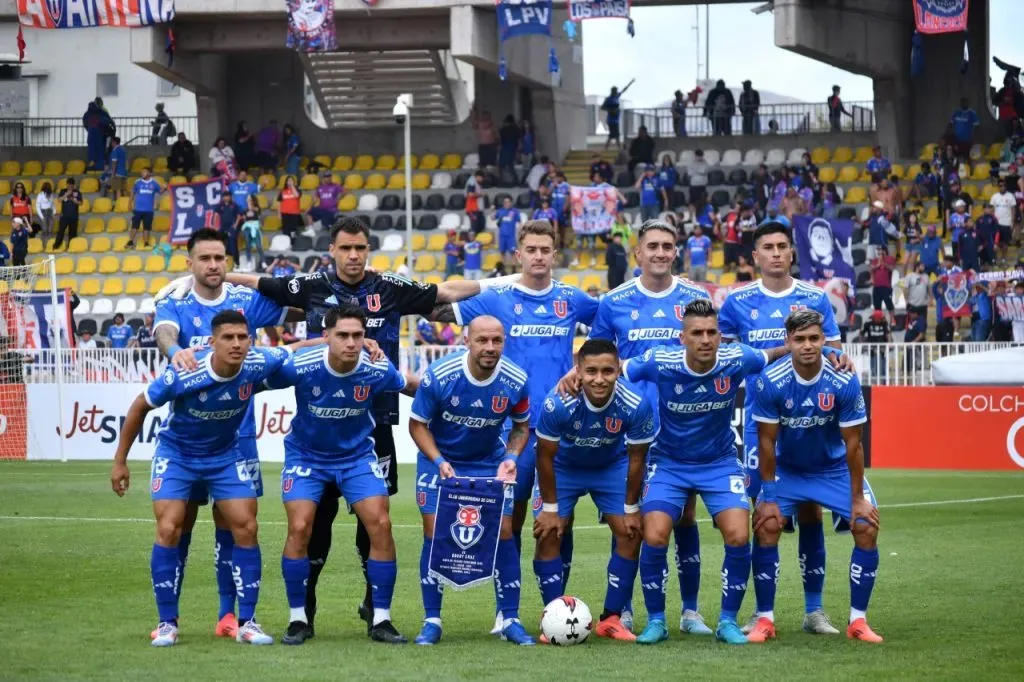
421,498
202,396
157,484
373,302
499,403
361,393
537,501
679,312
518,308
455,401
467,531
286,485
789,404
754,314
561,308
244,391
826,401
613,425
678,389
316,391
634,314
722,385
577,425
197,321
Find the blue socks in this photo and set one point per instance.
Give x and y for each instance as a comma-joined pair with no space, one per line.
735,572
811,543
549,579
223,549
764,561
653,579
566,552
166,572
248,567
183,544
621,574
863,570
688,564
382,576
508,581
431,590
295,572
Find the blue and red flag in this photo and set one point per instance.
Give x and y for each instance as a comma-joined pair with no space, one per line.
940,16
90,13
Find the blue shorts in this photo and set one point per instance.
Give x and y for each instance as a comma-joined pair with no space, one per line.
306,481
322,215
526,465
670,484
247,446
224,479
606,486
831,490
427,478
750,460
506,242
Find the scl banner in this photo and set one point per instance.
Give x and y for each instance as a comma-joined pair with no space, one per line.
466,529
311,26
825,247
192,208
90,13
598,9
523,17
940,16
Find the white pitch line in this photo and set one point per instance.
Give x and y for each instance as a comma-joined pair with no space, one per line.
100,519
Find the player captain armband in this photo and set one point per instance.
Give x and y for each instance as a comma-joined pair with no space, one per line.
767,492
549,507
829,351
631,508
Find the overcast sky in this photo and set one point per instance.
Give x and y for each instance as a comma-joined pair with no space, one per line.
662,56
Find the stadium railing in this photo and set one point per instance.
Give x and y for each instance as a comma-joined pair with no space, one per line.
889,364
69,132
796,118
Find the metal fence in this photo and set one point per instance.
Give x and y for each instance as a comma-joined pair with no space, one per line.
893,364
69,132
789,119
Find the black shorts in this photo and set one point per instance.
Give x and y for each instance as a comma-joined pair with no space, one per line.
1005,235
613,131
732,253
143,218
880,296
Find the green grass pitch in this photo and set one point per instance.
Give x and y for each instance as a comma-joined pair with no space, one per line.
76,601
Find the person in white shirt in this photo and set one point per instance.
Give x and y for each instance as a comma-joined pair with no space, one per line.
44,208
86,341
1004,204
536,174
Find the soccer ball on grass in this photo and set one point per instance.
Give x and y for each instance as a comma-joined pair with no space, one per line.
566,621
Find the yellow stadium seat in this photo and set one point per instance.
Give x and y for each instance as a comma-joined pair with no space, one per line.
491,261
28,183
995,151
5,227
585,261
67,283
90,286
156,284
78,245
89,185
897,170
713,277
717,259
42,284
5,187
820,155
35,246
165,203
827,174
135,286
927,153
451,162
121,244
421,181
436,242
864,176
140,162
95,226
124,205
161,223
419,242
102,205
133,264
305,202
109,265
485,238
386,162
154,264
160,181
348,203
86,265
53,168
353,181
425,262
977,151
977,211
364,162
309,182
375,182
971,191
11,169
433,279
591,281
988,191
380,262
266,182
401,162
571,279
863,154
100,245
113,286
117,225
396,181
342,164
856,195
178,180
429,162
76,167
981,171
272,223
727,279
933,214
261,201
199,177
65,266
32,168
849,174
323,160
842,155
160,164
86,206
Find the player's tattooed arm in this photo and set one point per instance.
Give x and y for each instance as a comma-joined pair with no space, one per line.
842,361
166,337
517,438
443,312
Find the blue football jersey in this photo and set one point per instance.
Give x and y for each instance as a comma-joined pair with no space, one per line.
540,327
810,415
207,410
466,416
333,412
757,317
638,320
591,437
695,409
119,335
192,317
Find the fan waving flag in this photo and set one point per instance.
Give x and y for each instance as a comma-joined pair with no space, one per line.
940,16
89,13
523,18
466,529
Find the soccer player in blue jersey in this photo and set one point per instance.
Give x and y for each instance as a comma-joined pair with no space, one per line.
144,194
539,315
181,327
331,443
642,313
810,421
456,422
592,444
755,315
199,446
695,454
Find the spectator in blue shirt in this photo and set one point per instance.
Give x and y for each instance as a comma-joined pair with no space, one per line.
611,108
651,196
668,177
144,194
5,254
292,150
698,246
240,190
281,267
926,184
970,246
773,216
119,333
987,227
19,241
880,230
961,129
545,212
878,164
981,308
472,253
118,168
452,254
507,218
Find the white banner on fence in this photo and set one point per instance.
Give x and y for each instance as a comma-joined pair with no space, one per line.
95,413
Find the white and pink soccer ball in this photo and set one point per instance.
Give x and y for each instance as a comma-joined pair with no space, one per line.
566,621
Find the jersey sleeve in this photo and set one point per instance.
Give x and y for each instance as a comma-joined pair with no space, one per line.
602,327
261,312
393,380
829,325
484,303
411,298
552,418
766,410
643,368
291,291
852,410
727,320
163,390
642,429
285,375
273,358
166,314
754,360
586,308
425,403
